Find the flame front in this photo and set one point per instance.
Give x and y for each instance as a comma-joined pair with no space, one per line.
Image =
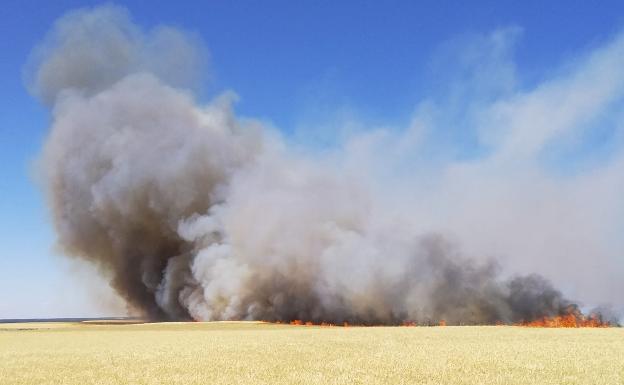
573,318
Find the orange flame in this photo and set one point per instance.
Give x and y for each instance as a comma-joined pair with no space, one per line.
573,318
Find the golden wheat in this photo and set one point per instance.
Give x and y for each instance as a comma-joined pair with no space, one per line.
256,353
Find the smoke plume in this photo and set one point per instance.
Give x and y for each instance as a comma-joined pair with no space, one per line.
194,212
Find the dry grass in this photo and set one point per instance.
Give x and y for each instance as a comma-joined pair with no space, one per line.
254,353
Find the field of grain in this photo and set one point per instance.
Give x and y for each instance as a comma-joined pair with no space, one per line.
256,353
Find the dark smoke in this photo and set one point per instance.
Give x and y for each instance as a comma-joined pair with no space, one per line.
195,213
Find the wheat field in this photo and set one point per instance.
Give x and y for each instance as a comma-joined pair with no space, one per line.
257,353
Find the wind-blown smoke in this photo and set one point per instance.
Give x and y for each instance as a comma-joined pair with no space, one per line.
196,213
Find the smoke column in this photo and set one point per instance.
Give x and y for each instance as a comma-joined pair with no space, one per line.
193,212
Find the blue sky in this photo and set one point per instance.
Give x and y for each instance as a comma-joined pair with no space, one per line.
294,64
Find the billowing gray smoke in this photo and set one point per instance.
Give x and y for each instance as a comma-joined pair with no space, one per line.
195,213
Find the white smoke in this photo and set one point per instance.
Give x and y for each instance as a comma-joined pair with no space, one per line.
196,212
90,51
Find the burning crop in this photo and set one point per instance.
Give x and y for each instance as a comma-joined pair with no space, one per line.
571,318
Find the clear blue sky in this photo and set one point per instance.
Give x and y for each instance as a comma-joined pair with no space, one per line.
282,58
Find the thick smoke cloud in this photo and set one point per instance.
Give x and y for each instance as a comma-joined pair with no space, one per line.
196,213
